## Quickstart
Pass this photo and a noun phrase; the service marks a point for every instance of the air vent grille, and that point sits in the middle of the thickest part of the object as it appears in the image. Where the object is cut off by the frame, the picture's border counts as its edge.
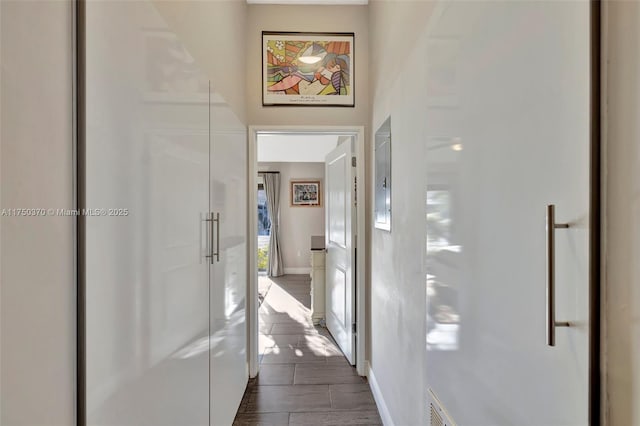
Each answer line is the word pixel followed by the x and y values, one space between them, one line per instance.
pixel 435 418
pixel 438 416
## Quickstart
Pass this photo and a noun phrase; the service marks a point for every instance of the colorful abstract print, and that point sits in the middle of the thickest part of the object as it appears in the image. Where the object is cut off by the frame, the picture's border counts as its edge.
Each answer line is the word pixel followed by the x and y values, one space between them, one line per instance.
pixel 308 67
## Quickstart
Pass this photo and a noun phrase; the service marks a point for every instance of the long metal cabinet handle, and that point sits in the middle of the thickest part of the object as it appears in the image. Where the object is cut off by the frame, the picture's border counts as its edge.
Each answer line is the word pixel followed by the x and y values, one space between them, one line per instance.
pixel 551 275
pixel 210 219
pixel 216 219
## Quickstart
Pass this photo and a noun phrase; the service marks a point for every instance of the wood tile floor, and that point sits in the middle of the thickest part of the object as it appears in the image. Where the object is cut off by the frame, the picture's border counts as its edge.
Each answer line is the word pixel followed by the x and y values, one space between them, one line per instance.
pixel 304 379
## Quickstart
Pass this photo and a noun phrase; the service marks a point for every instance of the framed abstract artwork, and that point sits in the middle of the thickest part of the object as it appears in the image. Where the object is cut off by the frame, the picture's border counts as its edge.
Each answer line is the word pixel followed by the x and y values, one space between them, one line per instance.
pixel 307 69
pixel 306 193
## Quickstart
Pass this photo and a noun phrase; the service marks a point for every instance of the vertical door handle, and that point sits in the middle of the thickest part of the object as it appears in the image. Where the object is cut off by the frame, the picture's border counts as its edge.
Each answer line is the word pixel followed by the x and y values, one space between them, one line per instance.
pixel 551 275
pixel 215 253
pixel 210 220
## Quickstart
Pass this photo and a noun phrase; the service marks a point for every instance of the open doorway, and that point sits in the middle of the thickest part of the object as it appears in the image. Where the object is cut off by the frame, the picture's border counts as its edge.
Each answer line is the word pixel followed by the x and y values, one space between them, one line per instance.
pixel 288 289
pixel 295 163
pixel 264 228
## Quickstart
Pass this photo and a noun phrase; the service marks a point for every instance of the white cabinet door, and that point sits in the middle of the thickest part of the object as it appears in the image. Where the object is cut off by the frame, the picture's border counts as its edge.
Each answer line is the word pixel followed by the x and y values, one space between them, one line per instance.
pixel 507 127
pixel 228 189
pixel 147 157
pixel 340 243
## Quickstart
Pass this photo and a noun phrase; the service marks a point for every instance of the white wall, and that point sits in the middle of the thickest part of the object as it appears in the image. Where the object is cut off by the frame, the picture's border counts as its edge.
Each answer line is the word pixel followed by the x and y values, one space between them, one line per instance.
pixel 307 18
pixel 395 27
pixel 214 32
pixel 37 263
pixel 297 224
pixel 397 330
pixel 622 214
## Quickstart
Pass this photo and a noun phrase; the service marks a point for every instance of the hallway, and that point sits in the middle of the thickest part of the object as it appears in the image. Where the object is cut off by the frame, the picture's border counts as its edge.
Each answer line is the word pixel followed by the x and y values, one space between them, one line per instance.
pixel 304 379
pixel 482 233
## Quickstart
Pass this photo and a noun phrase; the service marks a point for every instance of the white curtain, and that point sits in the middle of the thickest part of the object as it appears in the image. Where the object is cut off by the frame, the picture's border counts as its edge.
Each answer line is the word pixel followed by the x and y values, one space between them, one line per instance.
pixel 272 191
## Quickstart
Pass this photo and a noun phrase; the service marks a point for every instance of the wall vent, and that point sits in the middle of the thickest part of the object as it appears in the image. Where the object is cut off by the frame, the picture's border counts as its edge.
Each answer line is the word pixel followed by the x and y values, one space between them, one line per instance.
pixel 438 416
pixel 435 419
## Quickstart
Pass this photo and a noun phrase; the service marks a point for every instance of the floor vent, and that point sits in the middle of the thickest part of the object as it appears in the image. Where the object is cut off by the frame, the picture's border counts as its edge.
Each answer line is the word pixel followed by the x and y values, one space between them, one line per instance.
pixel 437 414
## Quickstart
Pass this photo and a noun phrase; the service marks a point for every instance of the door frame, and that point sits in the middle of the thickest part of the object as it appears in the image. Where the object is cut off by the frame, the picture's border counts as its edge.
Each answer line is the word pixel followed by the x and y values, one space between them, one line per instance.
pixel 358 133
pixel 597 301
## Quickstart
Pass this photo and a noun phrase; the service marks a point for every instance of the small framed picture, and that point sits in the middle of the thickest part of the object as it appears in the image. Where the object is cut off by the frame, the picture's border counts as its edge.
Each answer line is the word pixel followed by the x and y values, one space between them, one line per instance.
pixel 307 69
pixel 306 193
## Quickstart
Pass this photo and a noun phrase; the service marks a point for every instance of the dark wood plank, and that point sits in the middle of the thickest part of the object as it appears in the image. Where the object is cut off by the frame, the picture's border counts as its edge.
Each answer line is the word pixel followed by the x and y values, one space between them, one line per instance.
pixel 333 418
pixel 352 397
pixel 262 419
pixel 292 398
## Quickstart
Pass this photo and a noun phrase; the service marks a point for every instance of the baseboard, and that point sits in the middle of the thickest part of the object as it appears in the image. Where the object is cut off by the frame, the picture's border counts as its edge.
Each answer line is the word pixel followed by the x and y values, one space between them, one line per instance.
pixel 297 271
pixel 377 395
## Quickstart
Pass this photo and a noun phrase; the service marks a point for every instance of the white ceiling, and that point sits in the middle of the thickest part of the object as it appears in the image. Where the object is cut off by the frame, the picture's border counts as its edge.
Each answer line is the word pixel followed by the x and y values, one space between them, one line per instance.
pixel 289 148
pixel 309 2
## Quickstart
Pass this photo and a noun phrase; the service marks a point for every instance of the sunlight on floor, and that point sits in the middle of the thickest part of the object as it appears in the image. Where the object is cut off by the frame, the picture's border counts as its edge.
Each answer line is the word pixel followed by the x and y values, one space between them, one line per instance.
pixel 284 313
pixel 304 378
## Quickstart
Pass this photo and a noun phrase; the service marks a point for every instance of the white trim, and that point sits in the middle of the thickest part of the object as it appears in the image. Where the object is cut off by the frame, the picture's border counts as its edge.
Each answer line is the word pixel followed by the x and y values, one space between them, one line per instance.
pixel 252 264
pixel 385 415
pixel 361 253
pixel 297 271
pixel 252 273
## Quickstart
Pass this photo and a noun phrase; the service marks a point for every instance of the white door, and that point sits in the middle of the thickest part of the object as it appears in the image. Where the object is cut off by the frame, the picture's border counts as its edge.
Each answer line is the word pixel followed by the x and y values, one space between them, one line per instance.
pixel 507 133
pixel 147 161
pixel 228 287
pixel 340 243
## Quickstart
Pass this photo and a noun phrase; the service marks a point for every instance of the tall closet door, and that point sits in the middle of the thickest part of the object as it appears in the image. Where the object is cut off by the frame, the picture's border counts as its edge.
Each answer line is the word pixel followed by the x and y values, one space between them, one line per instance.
pixel 507 121
pixel 229 369
pixel 147 176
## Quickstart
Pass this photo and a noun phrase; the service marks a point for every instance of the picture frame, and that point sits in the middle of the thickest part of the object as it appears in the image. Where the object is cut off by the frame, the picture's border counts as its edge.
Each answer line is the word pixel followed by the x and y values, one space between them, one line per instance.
pixel 308 69
pixel 305 193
